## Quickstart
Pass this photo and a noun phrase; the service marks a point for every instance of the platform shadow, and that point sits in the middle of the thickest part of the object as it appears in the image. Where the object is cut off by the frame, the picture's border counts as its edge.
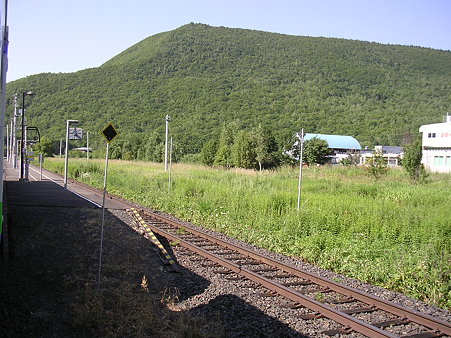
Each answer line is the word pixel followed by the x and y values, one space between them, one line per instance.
pixel 54 265
pixel 44 194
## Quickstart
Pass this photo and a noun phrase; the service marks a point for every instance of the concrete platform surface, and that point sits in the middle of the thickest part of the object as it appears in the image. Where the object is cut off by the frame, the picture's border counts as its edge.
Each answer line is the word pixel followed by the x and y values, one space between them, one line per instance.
pixel 48 190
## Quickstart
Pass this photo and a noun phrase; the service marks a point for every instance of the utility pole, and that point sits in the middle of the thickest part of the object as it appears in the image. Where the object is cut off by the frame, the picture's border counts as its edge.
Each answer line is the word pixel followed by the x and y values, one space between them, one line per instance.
pixel 7 143
pixel 87 146
pixel 170 167
pixel 300 167
pixel 23 148
pixel 168 118
pixel 14 133
pixel 11 142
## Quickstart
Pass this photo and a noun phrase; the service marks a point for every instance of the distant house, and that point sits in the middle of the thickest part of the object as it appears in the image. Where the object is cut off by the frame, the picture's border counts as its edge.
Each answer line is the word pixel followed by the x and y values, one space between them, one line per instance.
pixel 83 149
pixel 340 145
pixel 437 146
pixel 391 154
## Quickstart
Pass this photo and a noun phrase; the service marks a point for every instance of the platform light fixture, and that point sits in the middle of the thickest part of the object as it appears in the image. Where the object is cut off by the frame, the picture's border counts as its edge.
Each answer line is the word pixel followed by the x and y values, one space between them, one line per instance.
pixel 23 148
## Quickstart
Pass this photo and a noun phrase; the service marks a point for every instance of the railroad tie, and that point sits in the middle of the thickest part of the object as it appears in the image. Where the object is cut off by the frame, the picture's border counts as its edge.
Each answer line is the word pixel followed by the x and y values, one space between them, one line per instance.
pixel 153 238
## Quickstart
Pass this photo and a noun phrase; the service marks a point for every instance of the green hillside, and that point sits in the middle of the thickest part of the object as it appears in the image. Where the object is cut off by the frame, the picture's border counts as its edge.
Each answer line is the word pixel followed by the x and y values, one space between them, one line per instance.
pixel 205 76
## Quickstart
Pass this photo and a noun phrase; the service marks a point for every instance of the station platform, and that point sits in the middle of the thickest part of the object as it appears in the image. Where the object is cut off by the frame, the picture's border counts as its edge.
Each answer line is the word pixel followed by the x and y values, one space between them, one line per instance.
pixel 48 191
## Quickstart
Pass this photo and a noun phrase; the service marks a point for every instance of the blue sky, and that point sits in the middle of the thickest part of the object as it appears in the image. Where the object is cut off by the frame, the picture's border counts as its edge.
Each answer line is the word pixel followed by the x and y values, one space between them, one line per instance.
pixel 69 35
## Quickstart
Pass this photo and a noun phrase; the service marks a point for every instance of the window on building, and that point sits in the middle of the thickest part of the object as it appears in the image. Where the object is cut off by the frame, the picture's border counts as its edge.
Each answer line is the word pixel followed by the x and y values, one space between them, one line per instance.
pixel 392 161
pixel 448 161
pixel 431 135
pixel 439 161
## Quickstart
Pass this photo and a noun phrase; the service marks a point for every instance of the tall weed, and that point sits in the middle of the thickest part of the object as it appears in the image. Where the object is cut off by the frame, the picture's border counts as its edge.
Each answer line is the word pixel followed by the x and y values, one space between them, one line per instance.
pixel 389 232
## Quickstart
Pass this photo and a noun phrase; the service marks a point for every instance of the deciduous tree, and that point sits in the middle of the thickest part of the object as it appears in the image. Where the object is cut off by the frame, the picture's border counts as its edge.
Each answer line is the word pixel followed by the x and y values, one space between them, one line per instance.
pixel 261 145
pixel 243 151
pixel 208 152
pixel 316 151
pixel 411 162
pixel 45 147
pixel 226 139
pixel 376 166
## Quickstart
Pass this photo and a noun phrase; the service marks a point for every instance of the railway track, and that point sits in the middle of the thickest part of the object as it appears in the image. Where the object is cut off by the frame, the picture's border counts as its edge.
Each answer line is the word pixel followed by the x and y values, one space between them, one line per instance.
pixel 314 296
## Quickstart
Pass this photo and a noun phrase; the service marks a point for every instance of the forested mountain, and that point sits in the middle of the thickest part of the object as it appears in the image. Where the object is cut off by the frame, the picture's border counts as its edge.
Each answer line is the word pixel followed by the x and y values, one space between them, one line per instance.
pixel 205 76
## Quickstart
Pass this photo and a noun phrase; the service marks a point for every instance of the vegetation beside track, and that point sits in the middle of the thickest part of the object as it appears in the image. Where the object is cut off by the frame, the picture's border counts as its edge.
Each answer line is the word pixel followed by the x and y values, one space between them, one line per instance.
pixel 389 233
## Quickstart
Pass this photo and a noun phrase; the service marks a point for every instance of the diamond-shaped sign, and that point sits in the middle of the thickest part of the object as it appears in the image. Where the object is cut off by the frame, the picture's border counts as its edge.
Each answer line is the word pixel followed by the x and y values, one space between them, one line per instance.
pixel 109 132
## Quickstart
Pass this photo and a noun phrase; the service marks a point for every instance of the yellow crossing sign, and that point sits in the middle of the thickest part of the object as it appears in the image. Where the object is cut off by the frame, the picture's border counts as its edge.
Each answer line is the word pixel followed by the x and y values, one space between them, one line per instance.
pixel 109 132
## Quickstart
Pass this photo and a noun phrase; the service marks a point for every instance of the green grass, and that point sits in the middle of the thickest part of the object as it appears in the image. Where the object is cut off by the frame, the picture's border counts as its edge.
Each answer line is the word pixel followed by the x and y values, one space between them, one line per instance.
pixel 388 233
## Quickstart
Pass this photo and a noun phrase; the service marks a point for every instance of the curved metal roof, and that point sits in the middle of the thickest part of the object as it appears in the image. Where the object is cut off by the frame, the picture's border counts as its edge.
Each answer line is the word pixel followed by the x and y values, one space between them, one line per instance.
pixel 336 141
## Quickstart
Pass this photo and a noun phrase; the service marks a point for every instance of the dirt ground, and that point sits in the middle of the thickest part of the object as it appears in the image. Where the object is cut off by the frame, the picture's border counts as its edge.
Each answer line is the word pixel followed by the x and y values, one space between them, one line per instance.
pixel 49 286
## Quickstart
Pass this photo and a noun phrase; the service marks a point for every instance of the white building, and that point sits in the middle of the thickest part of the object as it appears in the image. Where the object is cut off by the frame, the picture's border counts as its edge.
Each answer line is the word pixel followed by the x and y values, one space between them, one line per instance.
pixel 437 146
pixel 391 154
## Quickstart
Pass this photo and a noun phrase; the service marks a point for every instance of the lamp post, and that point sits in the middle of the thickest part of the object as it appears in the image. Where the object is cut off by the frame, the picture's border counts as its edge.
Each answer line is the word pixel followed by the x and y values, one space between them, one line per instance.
pixel 68 122
pixel 23 144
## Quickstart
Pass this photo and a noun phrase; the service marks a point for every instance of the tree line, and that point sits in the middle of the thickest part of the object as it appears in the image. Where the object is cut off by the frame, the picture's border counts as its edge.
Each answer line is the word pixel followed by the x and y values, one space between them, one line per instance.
pixel 233 148
pixel 205 76
pixel 254 149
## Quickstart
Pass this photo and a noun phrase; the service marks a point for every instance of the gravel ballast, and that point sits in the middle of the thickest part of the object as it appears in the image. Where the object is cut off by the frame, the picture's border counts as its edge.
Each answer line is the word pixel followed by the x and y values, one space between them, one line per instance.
pixel 274 306
pixel 53 270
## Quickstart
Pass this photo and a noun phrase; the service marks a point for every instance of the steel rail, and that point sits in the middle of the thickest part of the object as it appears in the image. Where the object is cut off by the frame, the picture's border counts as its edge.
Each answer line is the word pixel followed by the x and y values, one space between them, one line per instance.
pixel 410 314
pixel 310 303
pixel 404 313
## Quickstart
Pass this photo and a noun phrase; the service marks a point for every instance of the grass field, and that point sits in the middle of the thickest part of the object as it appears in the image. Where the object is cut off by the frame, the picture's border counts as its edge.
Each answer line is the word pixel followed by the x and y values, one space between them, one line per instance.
pixel 388 233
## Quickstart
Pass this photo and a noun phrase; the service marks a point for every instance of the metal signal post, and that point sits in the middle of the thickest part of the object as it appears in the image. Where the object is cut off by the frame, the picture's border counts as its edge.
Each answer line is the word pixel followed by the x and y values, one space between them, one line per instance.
pixel 109 132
